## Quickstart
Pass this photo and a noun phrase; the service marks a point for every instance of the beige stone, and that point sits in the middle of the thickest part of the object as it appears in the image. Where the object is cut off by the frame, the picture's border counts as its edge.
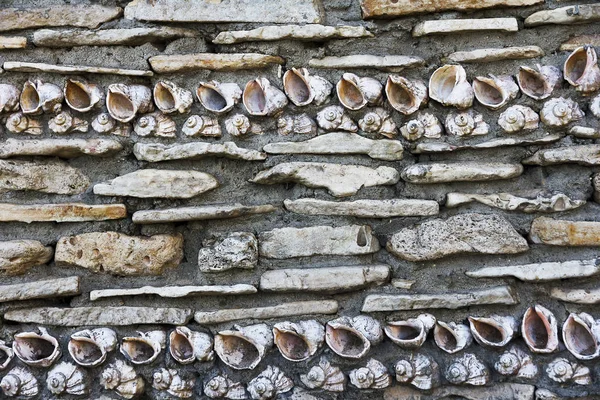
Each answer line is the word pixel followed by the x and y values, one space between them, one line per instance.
pixel 199 213
pixel 155 152
pixel 498 391
pixel 67 212
pixel 403 283
pixel 18 256
pixel 311 32
pixel 119 254
pixel 13 42
pixel 64 148
pixel 164 64
pixel 175 291
pixel 87 16
pixel 588 154
pixel 578 41
pixel 578 296
pixel 506 201
pixel 584 132
pixel 390 63
pixel 565 233
pixel 575 14
pixel 442 147
pixel 71 69
pixel 460 172
pixel 390 9
pixel 541 272
pixel 446 26
pixel 364 208
pixel 47 289
pixel 490 55
pixel 50 176
pixel 108 37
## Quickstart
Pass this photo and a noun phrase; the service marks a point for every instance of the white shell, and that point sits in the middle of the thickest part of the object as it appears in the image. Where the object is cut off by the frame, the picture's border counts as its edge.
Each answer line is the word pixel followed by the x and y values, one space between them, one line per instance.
pixel 448 85
pixel 539 84
pixel 404 95
pixel 324 376
pixel 218 97
pixel 64 122
pixel 496 91
pixel 303 89
pixel 355 92
pixel 298 341
pixel 145 348
pixel 518 118
pixel 90 347
pixel 559 111
pixel 104 123
pixel 82 96
pixel 36 349
pixel 221 387
pixel 155 124
pixel 9 98
pixel 21 123
pixel 300 124
pixel 187 346
pixel 67 378
pixel 334 118
pixel 424 125
pixel 38 97
pixel 452 337
pixel 19 382
pixel 581 335
pixel 410 334
pixel 582 71
pixel 171 98
pixel 261 98
pixel 374 376
pixel 540 330
pixel 6 356
pixel 269 384
pixel 170 381
pixel 353 337
pixel 516 362
pixel 244 347
pixel 468 370
pixel 495 331
pixel 124 102
pixel 466 123
pixel 419 371
pixel 563 371
pixel 595 106
pixel 201 125
pixel 122 378
pixel 378 121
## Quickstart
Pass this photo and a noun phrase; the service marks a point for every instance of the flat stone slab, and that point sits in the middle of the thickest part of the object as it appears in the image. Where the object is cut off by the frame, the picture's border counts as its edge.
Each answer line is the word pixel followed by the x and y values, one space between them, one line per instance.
pixel 310 32
pixel 18 256
pixel 506 201
pixel 364 208
pixel 447 26
pixel 98 316
pixel 404 302
pixel 565 233
pixel 460 172
pixel 108 37
pixel 341 143
pixel 47 289
pixel 67 212
pixel 403 283
pixel 576 14
pixel 578 41
pixel 385 63
pixel 340 180
pixel 541 272
pixel 490 55
pixel 199 213
pixel 317 240
pixel 311 308
pixel 13 42
pixel 391 9
pixel 155 152
pixel 443 147
pixel 463 233
pixel 585 132
pixel 498 391
pixel 588 154
pixel 85 16
pixel 64 148
pixel 578 296
pixel 48 176
pixel 165 64
pixel 175 291
pixel 71 69
pixel 330 279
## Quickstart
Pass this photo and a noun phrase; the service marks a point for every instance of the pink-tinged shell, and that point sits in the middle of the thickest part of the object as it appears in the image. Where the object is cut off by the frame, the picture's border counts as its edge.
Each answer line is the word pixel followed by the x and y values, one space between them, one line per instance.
pixel 298 341
pixel 468 370
pixel 39 97
pixel 373 376
pixel 404 95
pixel 124 102
pixel 495 331
pixel 355 92
pixel 122 378
pixel 221 387
pixel 244 347
pixel 562 370
pixel 518 118
pixel 303 89
pixel 19 382
pixel 452 337
pixel 171 98
pixel 82 96
pixel 187 346
pixel 269 383
pixel 261 98
pixel 516 362
pixel 352 337
pixel 21 123
pixel 539 84
pixel 581 70
pixel 9 98
pixel 425 125
pixel 448 85
pixel 378 121
pixel 540 330
pixel 581 335
pixel 412 333
pixel 334 118
pixel 559 112
pixel 496 91
pixel 145 348
pixel 89 348
pixel 36 349
pixel 218 97
pixel 419 371
pixel 466 123
pixel 324 376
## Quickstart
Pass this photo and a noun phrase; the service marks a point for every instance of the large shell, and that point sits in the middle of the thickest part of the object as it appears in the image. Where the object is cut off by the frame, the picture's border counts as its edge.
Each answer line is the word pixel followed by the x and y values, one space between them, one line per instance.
pixel 378 121
pixel 559 112
pixel 36 349
pixel 221 387
pixel 374 376
pixel 187 346
pixel 19 382
pixel 595 106
pixel 6 355
pixel 9 98
pixel 122 378
pixel 303 88
pixel 466 123
pixel 404 95
pixel 90 347
pixel 355 92
pixel 468 370
pixel 170 381
pixel 269 383
pixel 218 97
pixel 171 98
pixel 495 331
pixel 244 347
pixel 452 337
pixel 581 335
pixel 581 70
pixel 424 125
pixel 261 98
pixel 540 330
pixel 301 124
pixel 124 102
pixel 353 337
pixel 496 91
pixel 410 334
pixel 104 123
pixel 67 378
pixel 65 122
pixel 145 348
pixel 448 85
pixel 334 118
pixel 21 123
pixel 155 124
pixel 419 370
pixel 516 362
pixel 539 84
pixel 38 97
pixel 324 376
pixel 563 371
pixel 82 96
pixel 201 125
pixel 298 341
pixel 518 118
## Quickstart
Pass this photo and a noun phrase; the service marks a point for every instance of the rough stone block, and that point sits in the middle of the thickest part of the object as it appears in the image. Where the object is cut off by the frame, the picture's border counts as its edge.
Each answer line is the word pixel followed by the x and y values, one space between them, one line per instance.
pixel 87 16
pixel 393 8
pixel 541 272
pixel 47 289
pixel 364 208
pixel 70 212
pixel 18 256
pixel 46 176
pixel 237 250
pixel 565 233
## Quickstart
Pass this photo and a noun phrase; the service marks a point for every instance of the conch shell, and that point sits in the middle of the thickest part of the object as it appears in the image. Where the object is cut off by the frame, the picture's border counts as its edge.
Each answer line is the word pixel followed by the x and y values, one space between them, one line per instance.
pixel 355 92
pixel 595 106
pixel 581 70
pixel 378 121
pixel 221 387
pixel 301 124
pixel 419 371
pixel 104 123
pixel 353 337
pixel 170 381
pixel 424 125
pixel 269 383
pixel 244 347
pixel 122 378
pixel 201 125
pixel 89 348
pixel 21 123
pixel 187 346
pixel 124 102
pixel 240 125
pixel 9 98
pixel 19 382
pixel 540 330
pixel 518 118
pixel 452 337
pixel 298 341
pixel 495 331
pixel 404 95
pixel 36 349
pixel 303 89
pixel 324 376
pixel 334 118
pixel 563 371
pixel 539 84
pixel 558 112
pixel 145 348
pixel 410 334
pixel 516 362
pixel 261 98
pixel 82 96
pixel 374 376
pixel 448 85
pixel 581 335
pixel 466 123
pixel 171 98
pixel 155 124
pixel 6 355
pixel 38 97
pixel 64 122
pixel 67 378
pixel 218 97
pixel 468 370
pixel 496 91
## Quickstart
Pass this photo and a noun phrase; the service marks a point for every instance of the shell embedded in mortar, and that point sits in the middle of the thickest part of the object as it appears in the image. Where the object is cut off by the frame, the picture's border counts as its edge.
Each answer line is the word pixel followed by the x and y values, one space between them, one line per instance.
pixel 353 337
pixel 171 98
pixel 65 122
pixel 201 125
pixel 373 376
pixel 89 348
pixel 303 89
pixel 581 335
pixel 468 370
pixel 518 118
pixel 67 378
pixel 104 123
pixel 452 337
pixel 187 346
pixel 39 97
pixel 466 123
pixel 218 97
pixel 582 71
pixel 170 380
pixel 21 123
pixel 418 370
pixel 540 330
pixel 9 98
pixel 334 118
pixel 496 91
pixel 448 85
pixel 269 383
pixel 145 348
pixel 406 96
pixel 298 341
pixel 301 124
pixel 494 331
pixel 124 102
pixel 36 349
pixel 516 362
pixel 378 121
pixel 122 378
pixel 244 347
pixel 155 124
pixel 6 355
pixel 410 334
pixel 261 98
pixel 595 106
pixel 356 92
pixel 324 376
pixel 539 83
pixel 424 125
pixel 82 96
pixel 559 112
pixel 19 382
pixel 562 370
pixel 221 387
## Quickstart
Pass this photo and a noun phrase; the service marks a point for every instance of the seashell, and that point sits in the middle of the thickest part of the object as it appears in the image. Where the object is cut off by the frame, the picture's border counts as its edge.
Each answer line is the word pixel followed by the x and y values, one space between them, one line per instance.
pixel 452 337
pixel 378 121
pixel 539 84
pixel 6 355
pixel 155 124
pixel 64 122
pixel 540 330
pixel 516 362
pixel 355 92
pixel 302 88
pixel 39 97
pixel 301 124
pixel 448 85
pixel 518 118
pixel 581 70
pixel 145 348
pixel 122 378
pixel 104 123
pixel 468 370
pixel 221 387
pixel 495 331
pixel 170 381
pixel 563 371
pixel 595 106
pixel 90 347
pixel 466 123
pixel 218 97
pixel 36 349
pixel 82 96
pixel 9 98
pixel 298 341
pixel 187 346
pixel 410 334
pixel 496 91
pixel 67 378
pixel 19 382
pixel 21 123
pixel 324 376
pixel 244 347
pixel 170 98
pixel 405 95
pixel 334 118
pixel 425 125
pixel 269 383
pixel 261 98
pixel 581 335
pixel 419 371
pixel 353 337
pixel 201 125
pixel 560 111
pixel 124 102
pixel 374 376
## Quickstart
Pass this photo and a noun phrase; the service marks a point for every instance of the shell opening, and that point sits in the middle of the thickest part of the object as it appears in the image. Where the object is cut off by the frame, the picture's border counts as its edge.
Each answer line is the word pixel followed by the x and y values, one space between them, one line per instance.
pixel 30 98
pixel 536 330
pixel 292 346
pixel 486 93
pixel 84 352
pixel 238 352
pixel 400 96
pixel 296 88
pixel 163 97
pixel 212 100
pixel 446 85
pixel 362 238
pixel 180 347
pixel 532 83
pixel 404 332
pixel 346 342
pixel 579 338
pixel 488 332
pixel 138 351
pixel 254 97
pixel 120 106
pixel 76 97
pixel 576 65
pixel 34 349
pixel 350 95
pixel 445 339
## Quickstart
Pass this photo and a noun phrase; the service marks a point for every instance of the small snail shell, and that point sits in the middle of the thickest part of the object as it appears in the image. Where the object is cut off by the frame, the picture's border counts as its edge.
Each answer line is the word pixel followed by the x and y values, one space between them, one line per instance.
pixel 269 383
pixel 67 378
pixel 353 337
pixel 170 381
pixel 324 376
pixel 516 362
pixel 404 95
pixel 21 123
pixel 89 348
pixel 9 98
pixel 355 92
pixel 82 96
pixel 298 341
pixel 303 89
pixel 38 97
pixel 124 102
pixel 64 122
pixel 221 387
pixel 466 123
pixel 581 70
pixel 448 85
pixel 123 379
pixel 104 123
pixel 424 125
pixel 563 371
pixel 559 112
pixel 378 121
pixel 201 125
pixel 518 118
pixel 334 118
pixel 187 346
pixel 19 382
pixel 301 124
pixel 419 371
pixel 261 98
pixel 218 97
pixel 170 98
pixel 155 124
pixel 468 370
pixel 374 376
pixel 410 334
pixel 539 84
pixel 496 91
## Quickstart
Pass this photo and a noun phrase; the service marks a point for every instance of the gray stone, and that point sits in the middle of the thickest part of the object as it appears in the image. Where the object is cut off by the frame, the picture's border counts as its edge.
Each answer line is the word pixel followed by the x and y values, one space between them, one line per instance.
pixel 13 42
pixel 68 212
pixel 596 185
pixel 403 283
pixel 588 154
pixel 490 55
pixel 460 172
pixel 565 233
pixel 237 250
pixel 498 391
pixel 155 152
pixel 71 69
pixel 575 14
pixel 46 176
pixel 446 26
pixel 18 256
pixel 165 64
pixel 364 208
pixel 48 289
pixel 108 37
pixel 578 41
pixel 199 213
pixel 175 291
pixel 578 296
pixel 541 272
pixel 442 147
pixel 64 148
pixel 584 132
pixel 463 233
pixel 506 201
pixel 390 63
pixel 311 32
pixel 87 16
pixel 390 9
pixel 317 240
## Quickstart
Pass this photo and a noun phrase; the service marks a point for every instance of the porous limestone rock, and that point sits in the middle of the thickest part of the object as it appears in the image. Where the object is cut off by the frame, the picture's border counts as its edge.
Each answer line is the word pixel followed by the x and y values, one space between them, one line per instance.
pixel 164 64
pixel 565 233
pixel 389 63
pixel 87 16
pixel 443 147
pixel 364 208
pixel 46 176
pixel 108 37
pixel 490 55
pixel 446 26
pixel 575 14
pixel 175 291
pixel 390 9
pixel 506 201
pixel 64 148
pixel 155 152
pixel 541 272
pixel 578 296
pixel 497 391
pixel 588 154
pixel 310 32
pixel 13 42
pixel 47 289
pixel 199 213
pixel 69 212
pixel 460 172
pixel 18 256
pixel 237 250
pixel 71 69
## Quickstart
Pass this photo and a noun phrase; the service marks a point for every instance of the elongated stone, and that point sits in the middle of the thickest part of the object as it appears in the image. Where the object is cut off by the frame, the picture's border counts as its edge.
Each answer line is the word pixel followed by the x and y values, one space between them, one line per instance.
pixel 48 176
pixel 311 32
pixel 98 316
pixel 390 9
pixel 155 152
pixel 71 69
pixel 317 240
pixel 310 308
pixel 47 289
pixel 565 233
pixel 588 154
pixel 64 148
pixel 584 132
pixel 237 250
pixel 119 254
pixel 341 143
pixel 541 272
pixel 67 212
pixel 386 63
pixel 490 55
pixel 463 233
pixel 578 41
pixel 364 208
pixel 340 180
pixel 576 14
pixel 403 283
pixel 175 291
pixel 404 302
pixel 443 147
pixel 498 391
pixel 149 183
pixel 505 201
pixel 13 42
pixel 331 279
pixel 108 37
pixel 460 172
pixel 445 26
pixel 87 16
pixel 199 213
pixel 18 256
pixel 165 64
pixel 579 296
